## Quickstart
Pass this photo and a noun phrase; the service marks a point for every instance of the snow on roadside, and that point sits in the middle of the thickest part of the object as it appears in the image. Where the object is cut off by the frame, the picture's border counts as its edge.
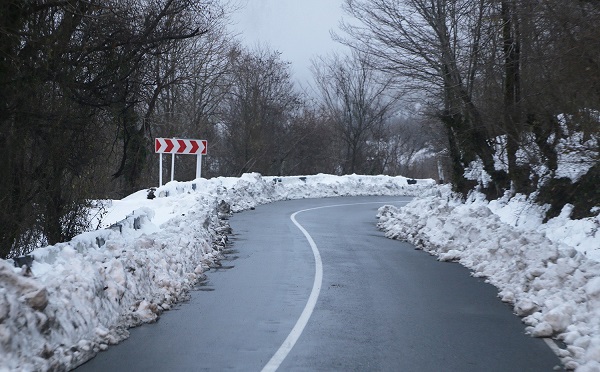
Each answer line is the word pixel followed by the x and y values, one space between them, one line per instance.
pixel 544 270
pixel 79 297
pixel 581 235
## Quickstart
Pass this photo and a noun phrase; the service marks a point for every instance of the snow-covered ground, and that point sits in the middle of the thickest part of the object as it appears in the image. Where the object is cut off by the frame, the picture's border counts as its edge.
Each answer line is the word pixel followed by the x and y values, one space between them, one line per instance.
pixel 549 271
pixel 81 296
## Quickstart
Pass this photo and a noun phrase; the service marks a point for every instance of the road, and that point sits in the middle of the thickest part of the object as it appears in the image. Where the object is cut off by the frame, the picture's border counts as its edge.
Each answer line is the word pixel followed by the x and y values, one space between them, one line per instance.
pixel 381 305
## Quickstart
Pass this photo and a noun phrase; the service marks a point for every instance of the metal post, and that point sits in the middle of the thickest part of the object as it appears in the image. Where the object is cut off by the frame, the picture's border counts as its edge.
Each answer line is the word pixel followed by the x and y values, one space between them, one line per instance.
pixel 160 171
pixel 199 166
pixel 172 167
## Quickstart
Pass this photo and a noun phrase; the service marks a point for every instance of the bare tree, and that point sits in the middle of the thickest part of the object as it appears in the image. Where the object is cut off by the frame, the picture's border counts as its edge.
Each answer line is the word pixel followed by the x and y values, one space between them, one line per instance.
pixel 311 144
pixel 188 104
pixel 435 46
pixel 257 113
pixel 498 74
pixel 358 102
pixel 72 75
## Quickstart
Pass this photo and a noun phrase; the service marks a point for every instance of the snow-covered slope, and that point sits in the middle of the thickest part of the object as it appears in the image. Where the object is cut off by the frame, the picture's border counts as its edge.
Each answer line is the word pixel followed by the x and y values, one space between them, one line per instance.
pixel 550 272
pixel 81 296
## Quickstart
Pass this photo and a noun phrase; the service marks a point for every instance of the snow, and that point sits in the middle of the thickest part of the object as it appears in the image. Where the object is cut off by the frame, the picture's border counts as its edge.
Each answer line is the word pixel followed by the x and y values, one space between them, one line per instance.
pixel 549 272
pixel 82 296
pixel 524 215
pixel 578 150
pixel 79 297
pixel 576 154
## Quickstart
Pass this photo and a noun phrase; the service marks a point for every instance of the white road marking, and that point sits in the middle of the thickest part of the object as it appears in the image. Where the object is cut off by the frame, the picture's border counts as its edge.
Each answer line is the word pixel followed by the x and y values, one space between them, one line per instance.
pixel 291 339
pixel 294 335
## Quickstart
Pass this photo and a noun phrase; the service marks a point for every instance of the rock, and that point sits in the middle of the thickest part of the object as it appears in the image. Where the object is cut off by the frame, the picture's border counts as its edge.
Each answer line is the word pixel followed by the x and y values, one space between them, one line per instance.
pixel 224 207
pixel 151 194
pixel 4 308
pixel 37 300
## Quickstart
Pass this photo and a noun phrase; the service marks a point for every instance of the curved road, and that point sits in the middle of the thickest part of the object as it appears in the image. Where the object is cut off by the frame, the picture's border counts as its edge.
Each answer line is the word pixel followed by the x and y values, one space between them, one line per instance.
pixel 381 305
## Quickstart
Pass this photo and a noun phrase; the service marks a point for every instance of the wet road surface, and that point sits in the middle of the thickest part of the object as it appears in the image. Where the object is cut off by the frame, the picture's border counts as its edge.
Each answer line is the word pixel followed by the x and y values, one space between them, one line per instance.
pixel 381 306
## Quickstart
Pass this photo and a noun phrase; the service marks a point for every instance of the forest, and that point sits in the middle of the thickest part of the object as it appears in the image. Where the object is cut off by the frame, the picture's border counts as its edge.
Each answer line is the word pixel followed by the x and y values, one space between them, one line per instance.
pixel 432 89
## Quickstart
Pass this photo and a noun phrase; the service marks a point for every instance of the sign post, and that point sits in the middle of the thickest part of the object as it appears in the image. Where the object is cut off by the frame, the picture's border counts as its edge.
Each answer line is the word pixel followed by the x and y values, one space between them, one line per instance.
pixel 199 166
pixel 160 171
pixel 172 166
pixel 175 146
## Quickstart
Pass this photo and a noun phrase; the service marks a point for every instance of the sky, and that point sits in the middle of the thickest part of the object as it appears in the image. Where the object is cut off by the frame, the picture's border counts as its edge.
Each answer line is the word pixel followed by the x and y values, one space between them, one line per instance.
pixel 299 29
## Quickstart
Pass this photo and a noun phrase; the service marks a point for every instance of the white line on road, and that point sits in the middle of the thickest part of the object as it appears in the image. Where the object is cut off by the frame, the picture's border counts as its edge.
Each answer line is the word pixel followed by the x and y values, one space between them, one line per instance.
pixel 291 339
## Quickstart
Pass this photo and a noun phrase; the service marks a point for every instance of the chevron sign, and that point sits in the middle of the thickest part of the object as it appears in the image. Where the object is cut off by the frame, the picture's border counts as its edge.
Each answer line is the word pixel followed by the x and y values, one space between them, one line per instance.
pixel 175 146
pixel 180 146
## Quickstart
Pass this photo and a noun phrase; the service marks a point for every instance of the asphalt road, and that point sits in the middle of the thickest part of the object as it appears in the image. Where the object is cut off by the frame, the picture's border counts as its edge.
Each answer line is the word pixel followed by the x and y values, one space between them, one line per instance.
pixel 381 305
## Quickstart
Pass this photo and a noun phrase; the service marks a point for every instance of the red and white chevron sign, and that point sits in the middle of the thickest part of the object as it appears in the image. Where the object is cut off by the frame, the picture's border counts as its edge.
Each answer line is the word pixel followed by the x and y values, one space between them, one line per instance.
pixel 179 146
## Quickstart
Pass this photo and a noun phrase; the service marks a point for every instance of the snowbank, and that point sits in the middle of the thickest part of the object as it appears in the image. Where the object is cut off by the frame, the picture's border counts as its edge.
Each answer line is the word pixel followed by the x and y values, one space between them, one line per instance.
pixel 544 270
pixel 79 297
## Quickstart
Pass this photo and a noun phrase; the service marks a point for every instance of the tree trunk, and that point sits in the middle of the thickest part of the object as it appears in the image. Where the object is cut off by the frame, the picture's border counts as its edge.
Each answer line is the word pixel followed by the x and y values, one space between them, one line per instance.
pixel 512 94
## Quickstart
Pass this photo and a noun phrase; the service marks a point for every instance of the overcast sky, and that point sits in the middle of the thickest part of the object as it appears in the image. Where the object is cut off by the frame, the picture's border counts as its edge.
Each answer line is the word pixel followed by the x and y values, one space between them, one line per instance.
pixel 299 29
